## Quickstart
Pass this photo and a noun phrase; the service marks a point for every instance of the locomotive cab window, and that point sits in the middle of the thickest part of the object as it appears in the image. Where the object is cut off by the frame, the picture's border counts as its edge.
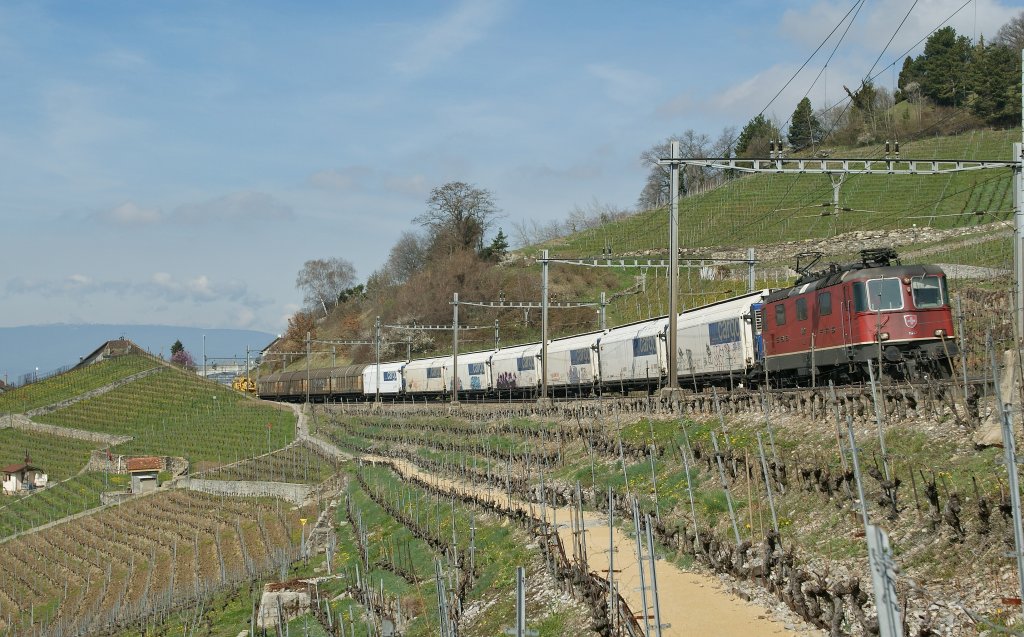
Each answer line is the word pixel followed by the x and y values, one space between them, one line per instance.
pixel 928 291
pixel 824 303
pixel 885 294
pixel 780 314
pixel 801 309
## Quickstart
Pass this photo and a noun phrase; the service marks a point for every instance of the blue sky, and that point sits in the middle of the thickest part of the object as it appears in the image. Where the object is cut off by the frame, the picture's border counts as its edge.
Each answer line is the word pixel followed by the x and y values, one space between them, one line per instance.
pixel 177 162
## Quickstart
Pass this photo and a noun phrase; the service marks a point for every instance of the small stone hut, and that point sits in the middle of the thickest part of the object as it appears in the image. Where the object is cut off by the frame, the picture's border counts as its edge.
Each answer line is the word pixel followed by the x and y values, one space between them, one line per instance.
pixel 145 473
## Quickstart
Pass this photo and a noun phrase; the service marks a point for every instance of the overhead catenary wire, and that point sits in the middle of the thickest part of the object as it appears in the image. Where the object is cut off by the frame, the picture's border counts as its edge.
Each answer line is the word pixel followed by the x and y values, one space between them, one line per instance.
pixel 856 4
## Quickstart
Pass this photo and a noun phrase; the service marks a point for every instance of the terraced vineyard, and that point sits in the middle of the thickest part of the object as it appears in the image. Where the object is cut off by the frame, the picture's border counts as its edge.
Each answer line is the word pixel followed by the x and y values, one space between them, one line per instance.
pixel 139 558
pixel 761 209
pixel 943 529
pixel 178 414
pixel 73 383
pixel 59 457
pixel 62 459
pixel 296 463
pixel 74 495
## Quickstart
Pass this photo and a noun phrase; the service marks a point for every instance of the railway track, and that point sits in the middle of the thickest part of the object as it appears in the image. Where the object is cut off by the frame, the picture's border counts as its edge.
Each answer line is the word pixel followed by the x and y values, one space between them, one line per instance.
pixel 900 401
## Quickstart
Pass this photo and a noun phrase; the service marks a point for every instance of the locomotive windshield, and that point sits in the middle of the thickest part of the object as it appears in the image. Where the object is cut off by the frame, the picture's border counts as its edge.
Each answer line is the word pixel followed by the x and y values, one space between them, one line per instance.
pixel 879 295
pixel 929 291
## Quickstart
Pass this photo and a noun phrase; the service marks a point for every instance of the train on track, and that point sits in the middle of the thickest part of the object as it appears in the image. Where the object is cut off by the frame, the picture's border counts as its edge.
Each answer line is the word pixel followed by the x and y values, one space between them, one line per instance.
pixel 830 325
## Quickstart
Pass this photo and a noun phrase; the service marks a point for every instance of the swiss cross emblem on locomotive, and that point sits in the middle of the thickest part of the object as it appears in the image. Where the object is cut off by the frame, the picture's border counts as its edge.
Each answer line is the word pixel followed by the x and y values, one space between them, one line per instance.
pixel 910 320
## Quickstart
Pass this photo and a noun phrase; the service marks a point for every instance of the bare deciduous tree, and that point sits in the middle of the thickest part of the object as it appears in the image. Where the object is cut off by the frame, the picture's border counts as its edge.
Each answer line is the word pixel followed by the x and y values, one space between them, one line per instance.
pixel 323 280
pixel 656 190
pixel 586 217
pixel 458 215
pixel 1011 34
pixel 407 257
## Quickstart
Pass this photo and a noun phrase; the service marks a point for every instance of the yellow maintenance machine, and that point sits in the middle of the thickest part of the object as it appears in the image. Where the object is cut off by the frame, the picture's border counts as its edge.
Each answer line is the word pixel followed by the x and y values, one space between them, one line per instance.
pixel 244 384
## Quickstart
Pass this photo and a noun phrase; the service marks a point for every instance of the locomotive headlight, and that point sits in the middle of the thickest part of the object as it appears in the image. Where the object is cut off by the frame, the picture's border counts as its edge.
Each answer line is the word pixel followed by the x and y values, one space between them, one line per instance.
pixel 884 336
pixel 940 333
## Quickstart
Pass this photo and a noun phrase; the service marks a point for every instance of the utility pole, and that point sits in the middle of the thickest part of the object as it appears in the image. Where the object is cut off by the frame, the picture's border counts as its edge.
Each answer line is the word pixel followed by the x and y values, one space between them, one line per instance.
pixel 673 274
pixel 1018 240
pixel 603 312
pixel 1018 219
pixel 376 340
pixel 750 270
pixel 204 355
pixel 1010 459
pixel 455 349
pixel 544 326
pixel 309 343
pixel 497 336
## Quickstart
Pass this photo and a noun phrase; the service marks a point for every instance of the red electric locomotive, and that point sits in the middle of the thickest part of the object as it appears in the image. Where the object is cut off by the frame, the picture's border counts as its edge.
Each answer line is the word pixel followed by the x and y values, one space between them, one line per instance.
pixel 837 320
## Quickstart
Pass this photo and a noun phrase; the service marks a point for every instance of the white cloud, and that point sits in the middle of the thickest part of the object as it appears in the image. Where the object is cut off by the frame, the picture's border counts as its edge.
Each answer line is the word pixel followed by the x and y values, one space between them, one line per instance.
pixel 234 207
pixel 748 97
pixel 122 59
pixel 449 35
pixel 159 286
pixel 414 185
pixel 80 280
pixel 621 84
pixel 130 213
pixel 350 178
pixel 238 206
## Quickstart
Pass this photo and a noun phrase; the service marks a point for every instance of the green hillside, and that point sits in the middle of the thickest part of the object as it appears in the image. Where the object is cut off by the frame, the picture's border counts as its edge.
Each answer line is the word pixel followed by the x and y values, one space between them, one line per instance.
pixel 73 383
pixel 179 414
pixel 759 210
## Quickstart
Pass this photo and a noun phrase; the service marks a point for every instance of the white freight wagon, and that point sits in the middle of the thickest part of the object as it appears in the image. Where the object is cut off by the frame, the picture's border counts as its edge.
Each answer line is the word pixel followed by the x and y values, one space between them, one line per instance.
pixel 426 376
pixel 634 356
pixel 572 364
pixel 475 372
pixel 515 371
pixel 718 341
pixel 390 377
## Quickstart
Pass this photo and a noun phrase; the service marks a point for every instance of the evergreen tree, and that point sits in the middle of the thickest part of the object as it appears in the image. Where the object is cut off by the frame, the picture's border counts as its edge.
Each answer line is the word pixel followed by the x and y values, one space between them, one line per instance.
pixel 177 347
pixel 804 128
pixel 498 247
pixel 755 138
pixel 944 67
pixel 995 84
pixel 909 80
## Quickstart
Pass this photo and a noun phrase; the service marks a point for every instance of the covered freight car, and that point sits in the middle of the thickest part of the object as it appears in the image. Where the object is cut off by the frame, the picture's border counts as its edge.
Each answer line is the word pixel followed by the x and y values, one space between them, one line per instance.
pixel 633 357
pixel 515 371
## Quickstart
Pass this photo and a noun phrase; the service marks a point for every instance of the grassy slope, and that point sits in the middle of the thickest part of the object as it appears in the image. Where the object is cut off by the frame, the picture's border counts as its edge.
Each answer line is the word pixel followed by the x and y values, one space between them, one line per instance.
pixel 765 209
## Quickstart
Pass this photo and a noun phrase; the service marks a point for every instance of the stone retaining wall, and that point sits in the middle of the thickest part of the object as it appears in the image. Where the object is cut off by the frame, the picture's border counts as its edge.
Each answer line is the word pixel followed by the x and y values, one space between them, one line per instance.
pixel 18 421
pixel 118 463
pixel 294 493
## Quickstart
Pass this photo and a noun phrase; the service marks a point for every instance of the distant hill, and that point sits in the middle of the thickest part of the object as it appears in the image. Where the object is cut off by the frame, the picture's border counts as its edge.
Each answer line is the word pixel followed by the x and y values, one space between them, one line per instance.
pixel 48 347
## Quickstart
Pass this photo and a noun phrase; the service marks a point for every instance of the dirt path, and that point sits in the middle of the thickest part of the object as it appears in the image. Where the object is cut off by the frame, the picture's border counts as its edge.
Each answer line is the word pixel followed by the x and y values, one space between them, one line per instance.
pixel 692 603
